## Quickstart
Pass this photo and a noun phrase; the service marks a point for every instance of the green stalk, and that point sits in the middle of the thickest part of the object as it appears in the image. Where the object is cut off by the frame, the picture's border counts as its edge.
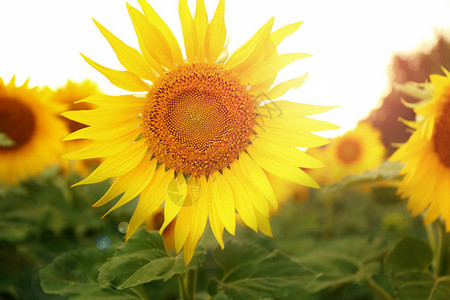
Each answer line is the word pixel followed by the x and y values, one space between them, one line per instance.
pixel 140 292
pixel 191 283
pixel 182 289
pixel 379 290
pixel 443 257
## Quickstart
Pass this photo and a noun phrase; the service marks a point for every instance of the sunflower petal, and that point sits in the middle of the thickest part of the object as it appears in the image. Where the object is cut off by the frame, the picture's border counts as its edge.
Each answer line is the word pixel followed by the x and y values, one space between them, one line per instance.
pixel 135 181
pixel 281 88
pixel 216 34
pixel 224 203
pixel 201 23
pixel 118 164
pixel 104 133
pixel 175 197
pixel 281 170
pixel 123 79
pixel 151 38
pixel 150 199
pixel 279 35
pixel 156 21
pixel 115 102
pixel 130 58
pixel 189 30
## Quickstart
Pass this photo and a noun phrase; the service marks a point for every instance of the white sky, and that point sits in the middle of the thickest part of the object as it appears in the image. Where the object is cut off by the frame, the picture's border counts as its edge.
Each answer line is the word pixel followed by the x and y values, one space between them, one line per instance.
pixel 351 40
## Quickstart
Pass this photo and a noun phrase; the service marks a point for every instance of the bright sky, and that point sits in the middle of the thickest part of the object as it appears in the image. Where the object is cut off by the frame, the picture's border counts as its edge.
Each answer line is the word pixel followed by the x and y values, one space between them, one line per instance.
pixel 351 42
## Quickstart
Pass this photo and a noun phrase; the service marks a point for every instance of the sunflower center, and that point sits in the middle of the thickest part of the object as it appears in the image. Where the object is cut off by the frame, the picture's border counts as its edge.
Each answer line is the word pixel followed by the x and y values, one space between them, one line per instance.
pixel 17 122
pixel 441 136
pixel 198 118
pixel 349 151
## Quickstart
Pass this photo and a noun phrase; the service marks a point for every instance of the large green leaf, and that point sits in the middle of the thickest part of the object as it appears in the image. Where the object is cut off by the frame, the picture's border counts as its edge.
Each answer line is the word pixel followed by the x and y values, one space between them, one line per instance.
pixel 251 272
pixel 143 259
pixel 408 267
pixel 386 171
pixel 72 272
pixel 345 261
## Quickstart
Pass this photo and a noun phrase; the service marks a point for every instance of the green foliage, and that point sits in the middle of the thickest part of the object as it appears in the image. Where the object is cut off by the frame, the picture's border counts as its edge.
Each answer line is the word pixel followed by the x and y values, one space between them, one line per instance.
pixel 341 244
pixel 408 267
pixel 144 259
pixel 251 272
pixel 344 261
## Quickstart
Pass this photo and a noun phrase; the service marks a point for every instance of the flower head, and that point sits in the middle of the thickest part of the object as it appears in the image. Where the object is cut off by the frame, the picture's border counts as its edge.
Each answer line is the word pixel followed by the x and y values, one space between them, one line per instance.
pixel 30 132
pixel 67 97
pixel 356 151
pixel 198 142
pixel 426 155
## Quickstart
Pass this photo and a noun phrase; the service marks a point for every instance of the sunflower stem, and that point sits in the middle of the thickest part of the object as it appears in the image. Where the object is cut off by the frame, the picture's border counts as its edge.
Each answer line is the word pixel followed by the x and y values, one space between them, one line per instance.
pixel 379 290
pixel 191 283
pixel 442 255
pixel 140 292
pixel 182 289
pixel 328 199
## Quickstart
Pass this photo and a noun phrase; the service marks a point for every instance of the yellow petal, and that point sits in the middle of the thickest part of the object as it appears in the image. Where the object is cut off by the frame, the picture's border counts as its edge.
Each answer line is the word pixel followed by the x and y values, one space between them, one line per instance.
pixel 279 90
pixel 224 202
pixel 288 136
pixel 268 71
pixel 281 170
pixel 116 102
pixel 130 58
pixel 104 148
pixel 246 56
pixel 201 23
pixel 288 155
pixel 156 21
pixel 216 34
pixel 241 197
pixel 104 133
pixel 294 109
pixel 214 220
pixel 135 181
pixel 198 222
pixel 278 36
pixel 176 191
pixel 257 177
pixel 151 38
pixel 299 123
pixel 264 224
pixel 118 164
pixel 150 199
pixel 123 79
pixel 102 116
pixel 189 30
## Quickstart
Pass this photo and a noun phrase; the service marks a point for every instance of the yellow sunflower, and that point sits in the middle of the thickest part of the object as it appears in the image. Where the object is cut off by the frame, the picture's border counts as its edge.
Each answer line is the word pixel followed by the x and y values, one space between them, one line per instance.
pixel 199 140
pixel 30 131
pixel 67 96
pixel 427 156
pixel 354 152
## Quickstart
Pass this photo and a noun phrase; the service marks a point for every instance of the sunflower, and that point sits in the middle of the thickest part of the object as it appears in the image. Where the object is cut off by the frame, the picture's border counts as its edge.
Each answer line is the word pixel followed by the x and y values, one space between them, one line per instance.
pixel 200 138
pixel 354 152
pixel 67 96
pixel 426 155
pixel 30 131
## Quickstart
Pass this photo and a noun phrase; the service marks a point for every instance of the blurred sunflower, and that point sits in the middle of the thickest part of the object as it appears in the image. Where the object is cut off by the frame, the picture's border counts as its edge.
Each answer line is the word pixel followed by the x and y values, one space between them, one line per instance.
pixel 68 96
pixel 354 152
pixel 200 138
pixel 427 156
pixel 30 132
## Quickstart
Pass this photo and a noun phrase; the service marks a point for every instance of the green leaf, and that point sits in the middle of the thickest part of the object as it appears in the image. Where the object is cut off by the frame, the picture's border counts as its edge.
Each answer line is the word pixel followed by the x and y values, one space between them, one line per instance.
pixel 144 259
pixel 98 293
pixel 386 171
pixel 344 261
pixel 408 268
pixel 409 254
pixel 72 272
pixel 251 272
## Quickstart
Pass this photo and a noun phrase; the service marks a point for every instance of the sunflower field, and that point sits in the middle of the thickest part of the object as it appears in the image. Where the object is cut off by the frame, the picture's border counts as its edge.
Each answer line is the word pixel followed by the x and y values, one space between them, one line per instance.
pixel 199 180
